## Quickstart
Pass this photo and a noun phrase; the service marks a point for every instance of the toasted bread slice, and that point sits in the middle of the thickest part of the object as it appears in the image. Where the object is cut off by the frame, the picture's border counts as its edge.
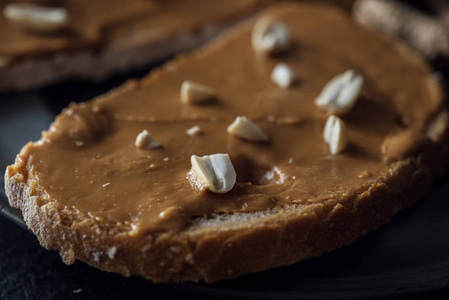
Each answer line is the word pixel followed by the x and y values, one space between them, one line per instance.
pixel 86 190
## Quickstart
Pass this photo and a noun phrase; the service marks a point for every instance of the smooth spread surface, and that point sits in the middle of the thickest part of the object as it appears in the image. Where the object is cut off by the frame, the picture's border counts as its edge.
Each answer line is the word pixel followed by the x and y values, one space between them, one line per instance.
pixel 88 162
pixel 92 23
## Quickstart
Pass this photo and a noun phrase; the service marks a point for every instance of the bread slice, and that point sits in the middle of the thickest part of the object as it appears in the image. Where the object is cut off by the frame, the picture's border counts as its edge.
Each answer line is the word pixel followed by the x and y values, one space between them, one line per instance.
pixel 87 191
pixel 424 29
pixel 113 38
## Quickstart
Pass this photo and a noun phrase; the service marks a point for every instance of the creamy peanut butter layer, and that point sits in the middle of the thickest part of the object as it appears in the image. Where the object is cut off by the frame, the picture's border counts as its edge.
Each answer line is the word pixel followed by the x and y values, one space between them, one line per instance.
pixel 88 160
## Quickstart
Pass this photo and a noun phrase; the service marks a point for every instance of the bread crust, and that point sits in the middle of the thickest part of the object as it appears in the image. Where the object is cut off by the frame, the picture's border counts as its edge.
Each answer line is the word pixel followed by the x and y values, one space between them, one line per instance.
pixel 228 246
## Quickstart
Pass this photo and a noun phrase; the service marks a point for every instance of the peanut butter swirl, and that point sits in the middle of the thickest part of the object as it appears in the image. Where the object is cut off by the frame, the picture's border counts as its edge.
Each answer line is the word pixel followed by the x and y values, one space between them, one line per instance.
pixel 87 160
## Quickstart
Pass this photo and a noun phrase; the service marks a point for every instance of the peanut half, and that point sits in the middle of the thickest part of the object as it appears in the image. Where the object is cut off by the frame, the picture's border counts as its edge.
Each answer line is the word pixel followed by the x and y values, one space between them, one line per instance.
pixel 214 172
pixel 245 129
pixel 195 93
pixel 334 134
pixel 270 36
pixel 36 18
pixel 283 76
pixel 193 131
pixel 145 141
pixel 340 94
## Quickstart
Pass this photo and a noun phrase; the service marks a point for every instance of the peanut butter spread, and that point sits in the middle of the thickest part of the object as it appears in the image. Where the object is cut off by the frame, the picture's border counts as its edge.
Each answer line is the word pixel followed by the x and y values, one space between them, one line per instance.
pixel 93 23
pixel 87 161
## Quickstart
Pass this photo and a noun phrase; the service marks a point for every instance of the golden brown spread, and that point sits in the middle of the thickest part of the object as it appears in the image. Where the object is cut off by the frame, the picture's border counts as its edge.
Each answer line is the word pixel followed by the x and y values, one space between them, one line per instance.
pixel 88 162
pixel 95 22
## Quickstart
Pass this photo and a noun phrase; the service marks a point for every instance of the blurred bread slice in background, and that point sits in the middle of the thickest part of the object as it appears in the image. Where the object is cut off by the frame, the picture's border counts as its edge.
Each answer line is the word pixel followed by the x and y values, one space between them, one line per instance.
pixel 48 42
pixel 423 25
